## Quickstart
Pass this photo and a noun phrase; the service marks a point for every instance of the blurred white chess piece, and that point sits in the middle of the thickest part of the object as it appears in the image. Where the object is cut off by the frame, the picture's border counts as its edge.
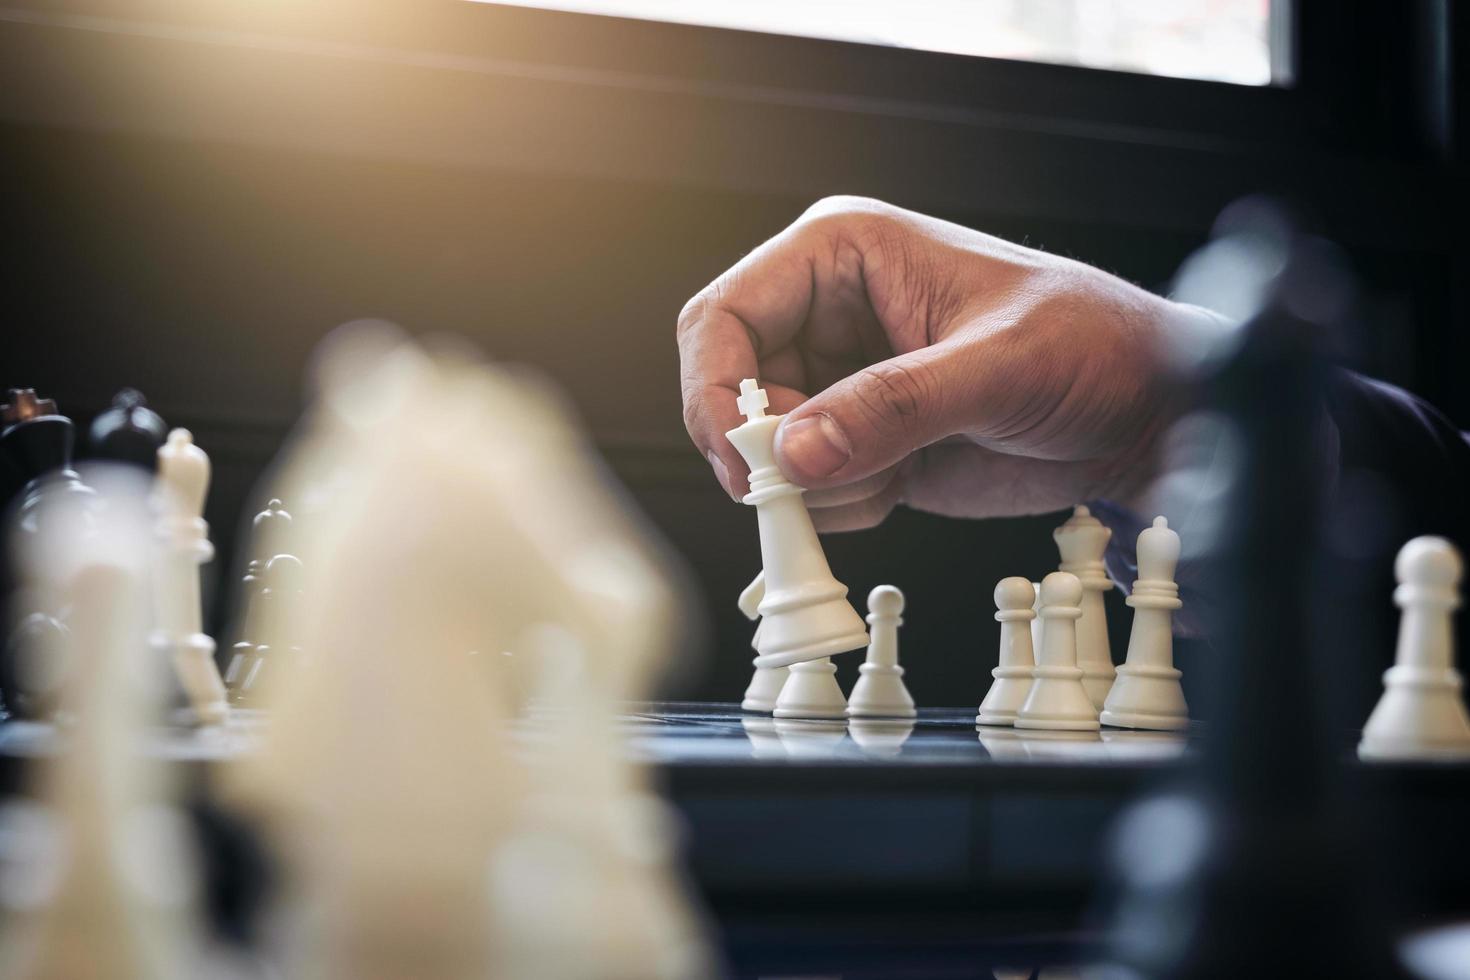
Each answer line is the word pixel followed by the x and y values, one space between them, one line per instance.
pixel 182 547
pixel 108 886
pixel 1147 693
pixel 766 682
pixel 1082 540
pixel 1057 699
pixel 554 862
pixel 1015 599
pixel 880 691
pixel 1421 714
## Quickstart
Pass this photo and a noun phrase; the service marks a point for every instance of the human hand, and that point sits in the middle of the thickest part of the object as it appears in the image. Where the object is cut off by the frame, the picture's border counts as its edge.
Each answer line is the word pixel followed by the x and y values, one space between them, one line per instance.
pixel 921 362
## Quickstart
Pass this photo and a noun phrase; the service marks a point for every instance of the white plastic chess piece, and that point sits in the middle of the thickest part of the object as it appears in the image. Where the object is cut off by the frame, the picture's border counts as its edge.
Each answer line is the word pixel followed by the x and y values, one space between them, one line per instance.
pixel 1081 542
pixel 1421 714
pixel 183 542
pixel 1014 601
pixel 880 691
pixel 1147 693
pixel 805 613
pixel 766 682
pixel 1058 701
pixel 811 691
pixel 1037 622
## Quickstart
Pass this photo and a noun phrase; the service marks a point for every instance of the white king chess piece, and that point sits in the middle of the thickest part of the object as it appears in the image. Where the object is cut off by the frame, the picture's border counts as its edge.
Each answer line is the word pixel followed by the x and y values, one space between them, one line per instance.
pixel 183 545
pixel 1147 693
pixel 805 614
pixel 1421 714
pixel 1081 542
pixel 1058 701
pixel 1014 601
pixel 766 682
pixel 880 691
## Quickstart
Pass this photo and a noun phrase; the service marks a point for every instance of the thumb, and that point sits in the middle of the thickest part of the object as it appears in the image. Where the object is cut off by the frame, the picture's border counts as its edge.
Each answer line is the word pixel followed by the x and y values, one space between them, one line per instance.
pixel 874 418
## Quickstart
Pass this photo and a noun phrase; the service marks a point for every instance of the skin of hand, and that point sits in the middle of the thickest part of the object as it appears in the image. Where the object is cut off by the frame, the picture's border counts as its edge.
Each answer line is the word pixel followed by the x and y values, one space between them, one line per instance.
pixel 923 363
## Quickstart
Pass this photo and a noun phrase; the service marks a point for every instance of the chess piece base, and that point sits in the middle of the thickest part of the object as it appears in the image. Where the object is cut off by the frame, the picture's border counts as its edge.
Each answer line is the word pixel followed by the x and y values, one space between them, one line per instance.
pixel 1139 719
pixel 765 688
pixel 880 693
pixel 811 691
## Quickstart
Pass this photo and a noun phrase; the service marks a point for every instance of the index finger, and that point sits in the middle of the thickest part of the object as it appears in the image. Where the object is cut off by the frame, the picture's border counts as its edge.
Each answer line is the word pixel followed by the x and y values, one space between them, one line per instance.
pixel 753 309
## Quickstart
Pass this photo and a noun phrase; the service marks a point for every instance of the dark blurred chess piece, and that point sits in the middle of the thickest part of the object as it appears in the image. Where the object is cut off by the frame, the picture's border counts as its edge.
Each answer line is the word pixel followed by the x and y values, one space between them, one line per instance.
pixel 128 432
pixel 39 441
pixel 36 442
pixel 1256 863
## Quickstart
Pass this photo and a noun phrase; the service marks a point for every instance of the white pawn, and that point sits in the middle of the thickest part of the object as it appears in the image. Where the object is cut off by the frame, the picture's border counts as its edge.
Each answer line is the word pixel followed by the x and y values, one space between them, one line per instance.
pixel 1036 623
pixel 766 682
pixel 880 691
pixel 183 546
pixel 811 691
pixel 1014 600
pixel 1421 714
pixel 1147 693
pixel 1058 701
pixel 1081 542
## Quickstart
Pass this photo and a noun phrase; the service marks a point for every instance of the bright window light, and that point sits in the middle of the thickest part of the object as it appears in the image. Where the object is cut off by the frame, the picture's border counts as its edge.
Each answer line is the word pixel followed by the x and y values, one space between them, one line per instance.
pixel 1215 40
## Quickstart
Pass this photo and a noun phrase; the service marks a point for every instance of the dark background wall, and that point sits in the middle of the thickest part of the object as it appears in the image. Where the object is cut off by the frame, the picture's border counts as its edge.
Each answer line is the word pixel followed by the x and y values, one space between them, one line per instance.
pixel 193 195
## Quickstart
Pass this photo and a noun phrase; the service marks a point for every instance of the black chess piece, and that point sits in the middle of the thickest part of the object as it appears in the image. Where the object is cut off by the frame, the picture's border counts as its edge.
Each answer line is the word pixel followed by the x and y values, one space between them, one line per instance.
pixel 128 432
pixel 36 441
pixel 1255 864
pixel 39 441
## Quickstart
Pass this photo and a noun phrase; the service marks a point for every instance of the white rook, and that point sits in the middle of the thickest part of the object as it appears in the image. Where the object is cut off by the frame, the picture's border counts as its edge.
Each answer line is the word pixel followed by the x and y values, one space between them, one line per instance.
pixel 805 615
pixel 183 545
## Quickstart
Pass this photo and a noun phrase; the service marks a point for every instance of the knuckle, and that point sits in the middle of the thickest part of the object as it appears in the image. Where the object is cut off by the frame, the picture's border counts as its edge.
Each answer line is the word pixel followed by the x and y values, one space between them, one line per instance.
pixel 693 312
pixel 895 397
pixel 846 210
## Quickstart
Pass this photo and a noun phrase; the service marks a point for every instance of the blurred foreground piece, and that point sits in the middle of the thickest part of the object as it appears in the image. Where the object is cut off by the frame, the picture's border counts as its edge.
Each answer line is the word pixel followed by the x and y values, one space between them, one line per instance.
pixel 128 432
pixel 1014 599
pixel 183 545
pixel 467 516
pixel 805 615
pixel 880 691
pixel 1081 542
pixel 766 682
pixel 1421 714
pixel 118 899
pixel 1241 869
pixel 1147 693
pixel 36 445
pixel 1058 700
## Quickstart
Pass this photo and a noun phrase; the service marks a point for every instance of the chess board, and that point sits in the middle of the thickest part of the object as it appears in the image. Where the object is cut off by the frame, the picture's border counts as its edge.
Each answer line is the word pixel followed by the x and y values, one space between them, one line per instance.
pixel 854 847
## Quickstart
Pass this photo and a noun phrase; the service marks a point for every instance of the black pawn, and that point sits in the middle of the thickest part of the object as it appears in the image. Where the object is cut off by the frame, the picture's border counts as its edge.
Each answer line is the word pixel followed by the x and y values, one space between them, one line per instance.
pixel 128 432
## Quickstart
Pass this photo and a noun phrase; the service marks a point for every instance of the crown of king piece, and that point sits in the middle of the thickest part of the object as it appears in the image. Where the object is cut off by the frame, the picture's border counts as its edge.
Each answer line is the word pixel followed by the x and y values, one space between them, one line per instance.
pixel 752 401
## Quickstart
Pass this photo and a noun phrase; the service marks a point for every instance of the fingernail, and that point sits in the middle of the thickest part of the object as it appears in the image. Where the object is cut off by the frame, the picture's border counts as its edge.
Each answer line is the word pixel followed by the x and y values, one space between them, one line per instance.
pixel 721 472
pixel 814 446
